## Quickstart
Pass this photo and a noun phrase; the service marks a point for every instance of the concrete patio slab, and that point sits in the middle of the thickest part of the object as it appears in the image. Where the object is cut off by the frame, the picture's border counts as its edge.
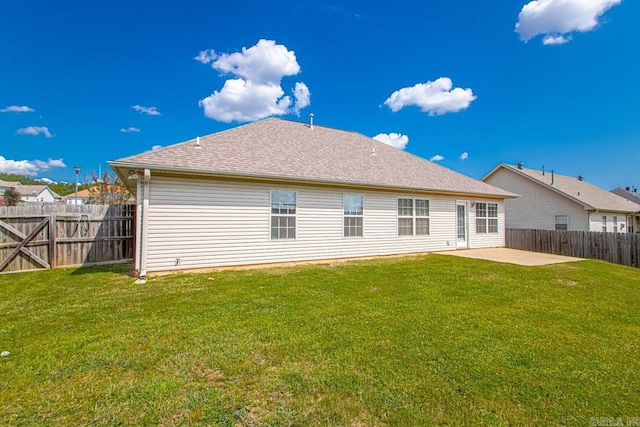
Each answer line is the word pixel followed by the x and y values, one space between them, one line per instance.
pixel 512 256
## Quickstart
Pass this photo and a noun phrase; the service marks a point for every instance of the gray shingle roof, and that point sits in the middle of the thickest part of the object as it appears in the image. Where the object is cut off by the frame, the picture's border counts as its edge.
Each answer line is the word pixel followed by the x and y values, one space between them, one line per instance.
pixel 281 149
pixel 634 197
pixel 8 183
pixel 32 190
pixel 582 192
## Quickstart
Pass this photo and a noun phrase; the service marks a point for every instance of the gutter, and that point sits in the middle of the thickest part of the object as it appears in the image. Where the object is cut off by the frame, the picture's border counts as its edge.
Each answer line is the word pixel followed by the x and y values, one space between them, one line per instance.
pixel 276 178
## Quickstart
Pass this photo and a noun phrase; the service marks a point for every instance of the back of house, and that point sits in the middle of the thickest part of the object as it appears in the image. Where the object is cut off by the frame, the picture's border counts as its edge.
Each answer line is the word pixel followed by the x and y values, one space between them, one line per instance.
pixel 279 191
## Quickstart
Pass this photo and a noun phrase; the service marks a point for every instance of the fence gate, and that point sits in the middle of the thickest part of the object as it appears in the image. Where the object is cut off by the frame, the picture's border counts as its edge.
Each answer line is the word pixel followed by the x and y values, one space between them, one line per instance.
pixel 45 236
pixel 20 246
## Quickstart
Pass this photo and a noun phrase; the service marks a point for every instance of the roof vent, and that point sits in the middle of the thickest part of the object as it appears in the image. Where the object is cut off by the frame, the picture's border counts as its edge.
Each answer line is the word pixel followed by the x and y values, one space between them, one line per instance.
pixel 542 170
pixel 520 165
pixel 198 147
pixel 311 121
pixel 580 178
pixel 373 151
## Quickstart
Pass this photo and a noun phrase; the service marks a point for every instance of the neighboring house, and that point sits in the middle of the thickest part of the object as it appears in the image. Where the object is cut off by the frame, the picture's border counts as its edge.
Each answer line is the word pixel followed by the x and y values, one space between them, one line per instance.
pixel 83 197
pixel 7 184
pixel 115 193
pixel 278 190
pixel 550 201
pixel 37 193
pixel 630 193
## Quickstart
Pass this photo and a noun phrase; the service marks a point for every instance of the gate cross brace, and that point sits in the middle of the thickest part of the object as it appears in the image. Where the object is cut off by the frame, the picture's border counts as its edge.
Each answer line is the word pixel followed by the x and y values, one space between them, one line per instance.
pixel 22 246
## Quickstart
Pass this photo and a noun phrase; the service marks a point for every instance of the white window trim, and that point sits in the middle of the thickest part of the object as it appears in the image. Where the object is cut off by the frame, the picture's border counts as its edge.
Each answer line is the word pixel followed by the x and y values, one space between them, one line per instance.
pixel 555 222
pixel 352 216
pixel 271 215
pixel 487 217
pixel 413 217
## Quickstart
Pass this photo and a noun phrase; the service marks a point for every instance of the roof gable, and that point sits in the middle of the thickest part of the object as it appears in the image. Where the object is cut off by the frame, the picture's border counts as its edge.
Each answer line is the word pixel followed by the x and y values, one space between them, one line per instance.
pixel 34 190
pixel 282 149
pixel 577 190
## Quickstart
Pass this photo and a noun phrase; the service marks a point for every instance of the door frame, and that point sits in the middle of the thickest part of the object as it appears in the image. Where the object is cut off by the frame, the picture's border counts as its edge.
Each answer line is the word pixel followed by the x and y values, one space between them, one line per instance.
pixel 463 244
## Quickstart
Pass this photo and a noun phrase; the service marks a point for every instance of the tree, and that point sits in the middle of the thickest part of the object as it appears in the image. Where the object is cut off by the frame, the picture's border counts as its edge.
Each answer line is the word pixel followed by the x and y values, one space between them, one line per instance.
pixel 107 190
pixel 11 197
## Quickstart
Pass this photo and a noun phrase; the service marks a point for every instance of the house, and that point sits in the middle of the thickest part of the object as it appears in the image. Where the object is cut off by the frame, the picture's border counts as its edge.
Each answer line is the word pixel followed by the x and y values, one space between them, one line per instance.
pixel 113 193
pixel 7 184
pixel 278 190
pixel 630 193
pixel 550 201
pixel 83 198
pixel 37 193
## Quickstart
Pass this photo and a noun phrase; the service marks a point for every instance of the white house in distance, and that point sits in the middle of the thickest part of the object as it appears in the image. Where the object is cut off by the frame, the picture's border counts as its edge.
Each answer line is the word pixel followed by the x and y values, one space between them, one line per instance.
pixel 7 184
pixel 550 201
pixel 83 197
pixel 31 193
pixel 37 194
pixel 278 190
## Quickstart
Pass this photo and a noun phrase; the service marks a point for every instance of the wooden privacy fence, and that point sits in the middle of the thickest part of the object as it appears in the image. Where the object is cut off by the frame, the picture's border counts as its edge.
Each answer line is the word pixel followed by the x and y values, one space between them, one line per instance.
pixel 50 235
pixel 618 248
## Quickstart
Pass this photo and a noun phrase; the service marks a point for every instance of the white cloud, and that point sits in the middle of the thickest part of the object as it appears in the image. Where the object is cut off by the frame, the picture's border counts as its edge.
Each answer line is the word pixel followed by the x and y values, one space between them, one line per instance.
pixel 28 167
pixel 464 156
pixel 47 180
pixel 302 96
pixel 129 129
pixel 155 147
pixel 436 98
pixel 35 130
pixel 395 140
pixel 256 90
pixel 151 111
pixel 266 62
pixel 548 40
pixel 206 56
pixel 17 109
pixel 436 158
pixel 557 18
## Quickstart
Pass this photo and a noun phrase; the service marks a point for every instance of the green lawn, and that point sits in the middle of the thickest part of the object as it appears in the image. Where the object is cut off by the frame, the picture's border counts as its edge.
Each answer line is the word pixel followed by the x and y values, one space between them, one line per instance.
pixel 401 341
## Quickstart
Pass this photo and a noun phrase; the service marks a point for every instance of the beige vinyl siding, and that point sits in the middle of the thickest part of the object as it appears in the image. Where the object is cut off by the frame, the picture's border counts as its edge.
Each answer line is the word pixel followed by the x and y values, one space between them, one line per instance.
pixel 537 206
pixel 484 240
pixel 207 223
pixel 595 221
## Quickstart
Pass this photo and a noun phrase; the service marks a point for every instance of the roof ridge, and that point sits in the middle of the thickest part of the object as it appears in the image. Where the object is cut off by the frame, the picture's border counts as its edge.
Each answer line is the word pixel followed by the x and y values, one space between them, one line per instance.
pixel 281 148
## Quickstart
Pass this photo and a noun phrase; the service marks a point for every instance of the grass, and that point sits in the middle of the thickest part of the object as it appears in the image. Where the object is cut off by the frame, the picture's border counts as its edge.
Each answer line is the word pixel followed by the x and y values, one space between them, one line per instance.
pixel 404 341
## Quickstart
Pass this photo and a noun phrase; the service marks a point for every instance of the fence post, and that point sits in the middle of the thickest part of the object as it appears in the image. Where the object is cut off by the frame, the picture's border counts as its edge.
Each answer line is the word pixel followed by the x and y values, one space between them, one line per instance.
pixel 52 241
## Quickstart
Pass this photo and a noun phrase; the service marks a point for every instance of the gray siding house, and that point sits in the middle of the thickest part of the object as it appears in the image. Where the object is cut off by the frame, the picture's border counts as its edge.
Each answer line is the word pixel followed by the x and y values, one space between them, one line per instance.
pixel 550 201
pixel 278 191
pixel 630 193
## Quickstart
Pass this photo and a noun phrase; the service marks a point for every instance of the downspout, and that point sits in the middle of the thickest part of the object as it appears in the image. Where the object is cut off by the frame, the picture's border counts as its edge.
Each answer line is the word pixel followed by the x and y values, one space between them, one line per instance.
pixel 137 246
pixel 144 226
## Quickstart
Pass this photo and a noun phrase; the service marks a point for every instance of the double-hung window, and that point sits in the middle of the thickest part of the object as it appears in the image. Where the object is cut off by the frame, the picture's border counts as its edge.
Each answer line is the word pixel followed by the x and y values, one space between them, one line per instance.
pixel 353 206
pixel 604 223
pixel 615 224
pixel 486 217
pixel 413 217
pixel 562 222
pixel 283 214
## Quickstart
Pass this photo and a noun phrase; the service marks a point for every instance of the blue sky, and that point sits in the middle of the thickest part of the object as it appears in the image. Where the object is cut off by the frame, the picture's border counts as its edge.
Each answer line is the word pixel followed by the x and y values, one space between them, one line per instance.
pixel 82 82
